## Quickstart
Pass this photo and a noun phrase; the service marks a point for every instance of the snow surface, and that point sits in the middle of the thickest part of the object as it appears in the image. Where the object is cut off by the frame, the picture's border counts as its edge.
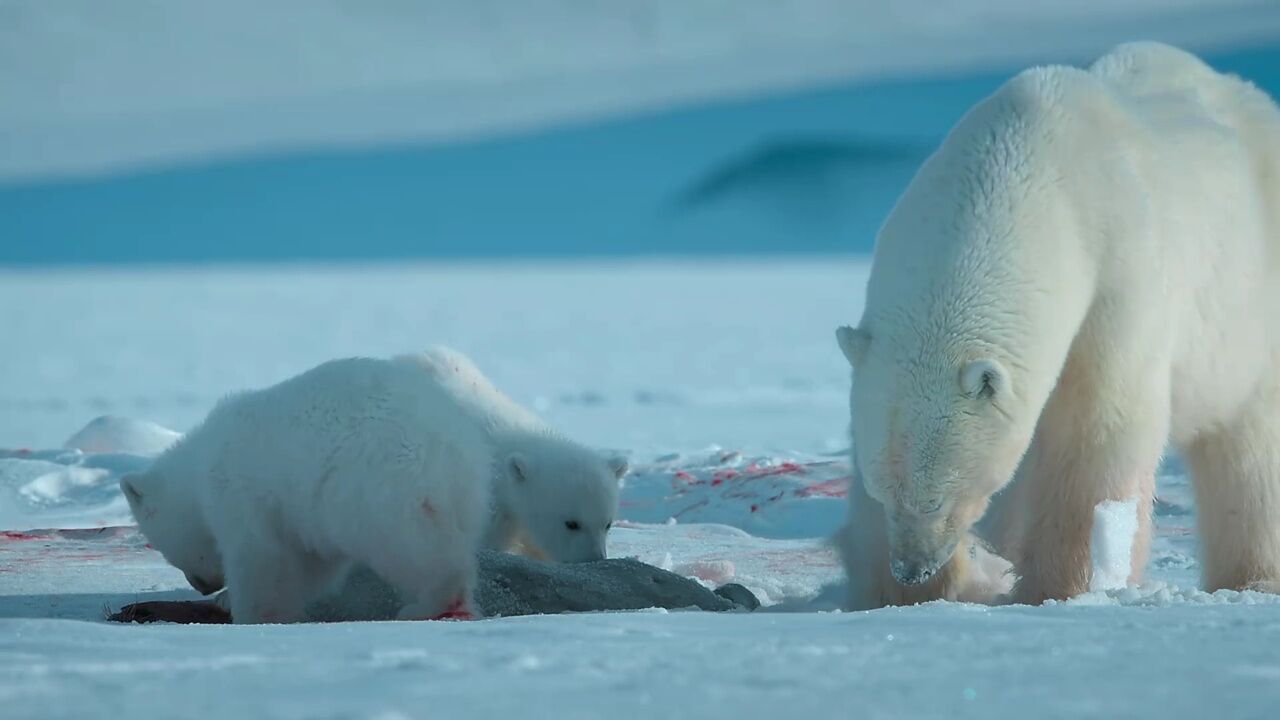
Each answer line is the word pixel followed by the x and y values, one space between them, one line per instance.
pixel 91 89
pixel 722 383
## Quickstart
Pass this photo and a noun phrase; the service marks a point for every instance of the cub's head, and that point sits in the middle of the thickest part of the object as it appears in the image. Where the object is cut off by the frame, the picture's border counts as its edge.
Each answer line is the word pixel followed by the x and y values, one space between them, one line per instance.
pixel 170 519
pixel 565 498
pixel 935 434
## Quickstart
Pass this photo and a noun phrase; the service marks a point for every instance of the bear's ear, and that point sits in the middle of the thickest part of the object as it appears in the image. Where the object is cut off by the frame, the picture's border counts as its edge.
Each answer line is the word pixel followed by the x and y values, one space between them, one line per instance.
pixel 853 343
pixel 619 466
pixel 129 486
pixel 518 468
pixel 984 379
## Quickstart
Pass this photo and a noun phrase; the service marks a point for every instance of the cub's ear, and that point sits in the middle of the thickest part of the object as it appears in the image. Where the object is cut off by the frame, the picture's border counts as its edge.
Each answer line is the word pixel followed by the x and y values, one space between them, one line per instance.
pixel 984 379
pixel 518 467
pixel 129 486
pixel 619 466
pixel 853 343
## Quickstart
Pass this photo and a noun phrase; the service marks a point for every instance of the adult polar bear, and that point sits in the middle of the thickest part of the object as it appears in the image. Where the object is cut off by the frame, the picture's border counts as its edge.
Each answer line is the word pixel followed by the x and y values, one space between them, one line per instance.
pixel 1088 267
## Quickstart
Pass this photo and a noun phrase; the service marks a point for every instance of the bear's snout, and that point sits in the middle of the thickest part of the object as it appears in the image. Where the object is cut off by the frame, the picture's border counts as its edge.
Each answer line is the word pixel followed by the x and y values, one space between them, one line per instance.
pixel 911 574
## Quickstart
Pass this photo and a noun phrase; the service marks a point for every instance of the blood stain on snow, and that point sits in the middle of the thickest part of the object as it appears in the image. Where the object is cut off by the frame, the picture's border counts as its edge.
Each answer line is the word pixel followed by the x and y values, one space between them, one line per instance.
pixel 695 506
pixel 13 535
pixel 834 488
pixel 456 611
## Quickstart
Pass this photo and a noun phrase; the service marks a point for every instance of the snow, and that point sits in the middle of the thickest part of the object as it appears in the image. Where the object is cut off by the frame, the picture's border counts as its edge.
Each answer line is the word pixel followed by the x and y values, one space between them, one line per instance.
pixel 1111 543
pixel 900 663
pixel 718 377
pixel 92 90
pixel 665 360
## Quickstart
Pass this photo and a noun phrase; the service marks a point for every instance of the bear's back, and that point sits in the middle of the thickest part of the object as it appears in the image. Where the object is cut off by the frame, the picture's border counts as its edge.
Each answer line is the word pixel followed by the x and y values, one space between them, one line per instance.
pixel 355 411
pixel 458 376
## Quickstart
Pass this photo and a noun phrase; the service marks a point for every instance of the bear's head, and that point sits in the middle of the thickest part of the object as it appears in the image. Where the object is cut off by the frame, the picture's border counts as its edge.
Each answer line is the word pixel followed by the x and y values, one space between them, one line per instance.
pixel 564 497
pixel 171 522
pixel 935 434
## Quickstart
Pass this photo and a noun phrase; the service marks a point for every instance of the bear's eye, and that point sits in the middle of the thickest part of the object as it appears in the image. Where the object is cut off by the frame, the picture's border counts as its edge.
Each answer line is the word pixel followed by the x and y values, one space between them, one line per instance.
pixel 572 524
pixel 609 525
pixel 930 507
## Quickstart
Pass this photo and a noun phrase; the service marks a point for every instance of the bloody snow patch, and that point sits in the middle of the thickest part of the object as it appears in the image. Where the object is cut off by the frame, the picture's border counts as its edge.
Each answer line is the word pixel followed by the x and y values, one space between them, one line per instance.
pixel 769 497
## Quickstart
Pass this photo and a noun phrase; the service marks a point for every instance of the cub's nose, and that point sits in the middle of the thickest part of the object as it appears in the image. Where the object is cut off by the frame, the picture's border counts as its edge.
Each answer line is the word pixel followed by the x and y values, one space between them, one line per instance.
pixel 203 586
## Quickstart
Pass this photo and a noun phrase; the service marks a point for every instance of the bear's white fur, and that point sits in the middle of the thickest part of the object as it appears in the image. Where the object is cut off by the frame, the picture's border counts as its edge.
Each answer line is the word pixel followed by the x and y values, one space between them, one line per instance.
pixel 549 492
pixel 569 482
pixel 355 461
pixel 1088 267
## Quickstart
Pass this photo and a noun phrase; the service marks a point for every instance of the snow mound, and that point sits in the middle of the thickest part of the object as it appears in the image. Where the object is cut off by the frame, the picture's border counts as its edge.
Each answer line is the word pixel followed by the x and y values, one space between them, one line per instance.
pixel 64 488
pixel 112 434
pixel 1159 594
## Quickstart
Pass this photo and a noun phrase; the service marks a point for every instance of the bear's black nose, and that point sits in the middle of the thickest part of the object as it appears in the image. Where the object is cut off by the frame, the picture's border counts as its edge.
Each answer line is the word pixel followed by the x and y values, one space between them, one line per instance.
pixel 910 574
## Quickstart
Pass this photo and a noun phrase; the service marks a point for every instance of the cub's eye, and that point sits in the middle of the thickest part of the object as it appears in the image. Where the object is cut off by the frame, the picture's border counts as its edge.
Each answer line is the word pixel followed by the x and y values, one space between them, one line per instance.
pixel 572 525
pixel 609 526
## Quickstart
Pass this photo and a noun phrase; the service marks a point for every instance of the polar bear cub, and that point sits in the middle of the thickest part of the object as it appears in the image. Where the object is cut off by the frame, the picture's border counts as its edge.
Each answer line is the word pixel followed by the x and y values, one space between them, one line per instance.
pixel 280 490
pixel 548 491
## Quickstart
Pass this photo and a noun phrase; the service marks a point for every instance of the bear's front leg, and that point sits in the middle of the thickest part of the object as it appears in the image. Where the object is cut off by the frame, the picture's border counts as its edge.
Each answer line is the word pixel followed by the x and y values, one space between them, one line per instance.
pixel 266 583
pixel 1096 440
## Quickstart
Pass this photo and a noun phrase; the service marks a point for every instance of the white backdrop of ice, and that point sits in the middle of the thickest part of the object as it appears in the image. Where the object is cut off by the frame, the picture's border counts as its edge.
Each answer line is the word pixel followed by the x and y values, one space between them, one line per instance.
pixel 95 89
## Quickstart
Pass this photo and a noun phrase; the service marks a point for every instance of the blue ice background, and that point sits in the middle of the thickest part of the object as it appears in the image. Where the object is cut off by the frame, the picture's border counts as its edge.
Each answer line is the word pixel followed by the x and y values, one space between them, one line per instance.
pixel 804 172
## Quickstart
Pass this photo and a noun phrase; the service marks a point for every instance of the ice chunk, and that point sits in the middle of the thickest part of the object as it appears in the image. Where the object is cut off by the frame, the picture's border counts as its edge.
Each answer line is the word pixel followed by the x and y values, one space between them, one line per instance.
pixel 1111 543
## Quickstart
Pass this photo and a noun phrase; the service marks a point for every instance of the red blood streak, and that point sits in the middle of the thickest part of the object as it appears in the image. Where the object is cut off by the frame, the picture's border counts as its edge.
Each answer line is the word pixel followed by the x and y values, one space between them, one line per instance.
pixel 835 488
pixel 455 611
pixel 11 535
pixel 695 506
pixel 755 507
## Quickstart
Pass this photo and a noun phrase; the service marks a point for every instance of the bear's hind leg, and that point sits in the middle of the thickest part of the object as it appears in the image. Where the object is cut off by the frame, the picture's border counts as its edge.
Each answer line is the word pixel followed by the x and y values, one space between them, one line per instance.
pixel 1236 472
pixel 432 566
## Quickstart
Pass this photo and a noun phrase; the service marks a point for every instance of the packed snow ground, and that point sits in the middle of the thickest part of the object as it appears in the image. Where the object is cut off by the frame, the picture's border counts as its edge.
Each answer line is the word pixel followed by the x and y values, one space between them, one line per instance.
pixel 722 383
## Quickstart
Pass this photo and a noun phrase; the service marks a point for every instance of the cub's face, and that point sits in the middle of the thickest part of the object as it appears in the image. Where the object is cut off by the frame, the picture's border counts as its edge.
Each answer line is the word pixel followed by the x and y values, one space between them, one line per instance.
pixel 566 503
pixel 933 440
pixel 171 522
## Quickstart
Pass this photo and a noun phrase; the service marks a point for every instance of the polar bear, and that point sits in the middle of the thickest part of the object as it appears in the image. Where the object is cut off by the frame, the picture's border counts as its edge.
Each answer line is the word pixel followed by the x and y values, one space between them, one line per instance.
pixel 548 494
pixel 355 461
pixel 552 495
pixel 1087 268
